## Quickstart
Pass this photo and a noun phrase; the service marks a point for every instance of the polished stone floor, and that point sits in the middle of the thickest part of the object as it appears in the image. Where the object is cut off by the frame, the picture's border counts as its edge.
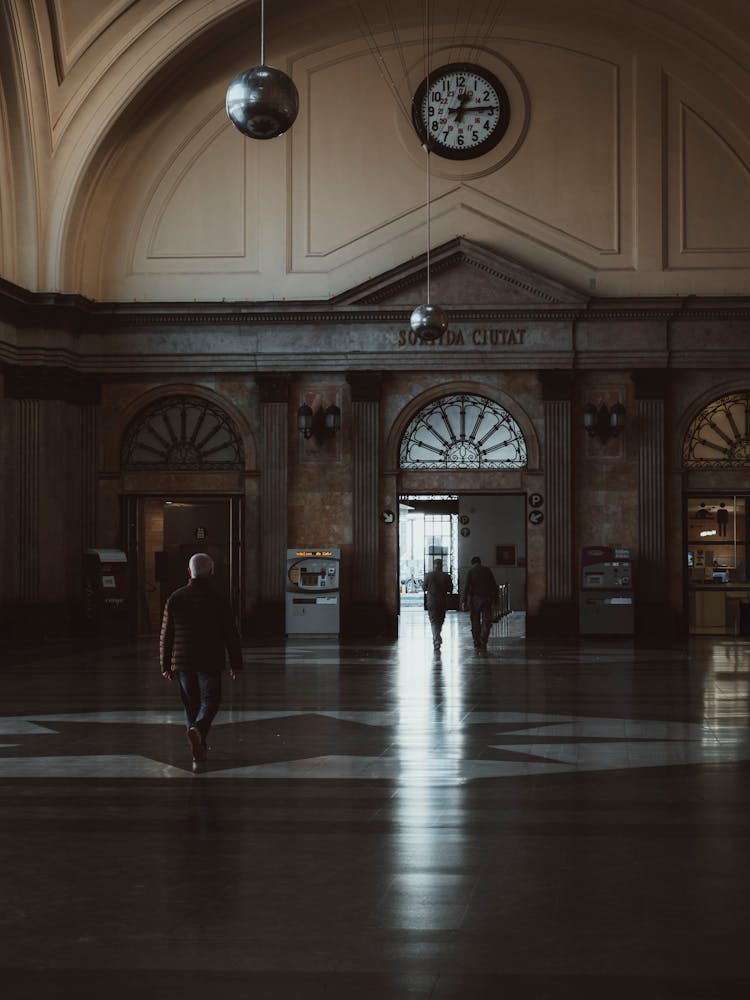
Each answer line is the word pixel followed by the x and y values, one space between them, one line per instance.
pixel 540 821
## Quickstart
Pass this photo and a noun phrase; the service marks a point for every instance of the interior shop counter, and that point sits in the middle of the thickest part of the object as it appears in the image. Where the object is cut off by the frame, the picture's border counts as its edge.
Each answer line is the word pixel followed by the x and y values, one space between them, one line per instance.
pixel 719 609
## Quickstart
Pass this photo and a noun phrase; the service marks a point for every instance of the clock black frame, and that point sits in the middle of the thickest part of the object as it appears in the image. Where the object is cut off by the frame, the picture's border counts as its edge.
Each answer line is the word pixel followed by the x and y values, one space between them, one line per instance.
pixel 471 152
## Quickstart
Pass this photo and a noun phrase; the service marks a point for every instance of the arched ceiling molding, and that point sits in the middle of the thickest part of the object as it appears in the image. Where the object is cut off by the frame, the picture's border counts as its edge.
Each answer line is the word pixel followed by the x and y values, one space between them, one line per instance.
pixel 721 34
pixel 90 60
pixel 121 77
pixel 25 146
pixel 113 100
pixel 73 35
pixel 708 152
pixel 724 162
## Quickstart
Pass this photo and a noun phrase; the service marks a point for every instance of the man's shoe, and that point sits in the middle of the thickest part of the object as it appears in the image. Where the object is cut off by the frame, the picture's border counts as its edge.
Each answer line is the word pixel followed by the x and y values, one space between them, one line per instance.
pixel 196 745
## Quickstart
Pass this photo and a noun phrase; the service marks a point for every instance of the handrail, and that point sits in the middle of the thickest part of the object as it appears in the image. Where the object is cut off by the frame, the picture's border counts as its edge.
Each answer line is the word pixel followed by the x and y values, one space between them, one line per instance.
pixel 501 605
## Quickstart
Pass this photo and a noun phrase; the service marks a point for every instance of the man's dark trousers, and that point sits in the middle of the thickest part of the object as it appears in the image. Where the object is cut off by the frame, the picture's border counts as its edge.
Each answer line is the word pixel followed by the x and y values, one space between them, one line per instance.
pixel 201 696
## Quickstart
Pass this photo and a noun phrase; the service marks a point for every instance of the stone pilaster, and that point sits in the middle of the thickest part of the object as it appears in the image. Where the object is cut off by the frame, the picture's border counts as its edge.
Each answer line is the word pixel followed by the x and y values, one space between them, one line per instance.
pixel 89 451
pixel 366 613
pixel 274 443
pixel 652 614
pixel 37 388
pixel 28 507
pixel 558 615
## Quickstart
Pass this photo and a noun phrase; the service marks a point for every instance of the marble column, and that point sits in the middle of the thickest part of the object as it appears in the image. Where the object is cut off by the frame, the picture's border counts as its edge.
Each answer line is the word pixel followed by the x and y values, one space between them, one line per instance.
pixel 366 613
pixel 652 612
pixel 558 614
pixel 89 452
pixel 28 506
pixel 35 388
pixel 273 462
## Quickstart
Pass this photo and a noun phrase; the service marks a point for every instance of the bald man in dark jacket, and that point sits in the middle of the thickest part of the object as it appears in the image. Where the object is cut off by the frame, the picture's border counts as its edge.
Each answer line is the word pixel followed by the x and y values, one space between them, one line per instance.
pixel 197 631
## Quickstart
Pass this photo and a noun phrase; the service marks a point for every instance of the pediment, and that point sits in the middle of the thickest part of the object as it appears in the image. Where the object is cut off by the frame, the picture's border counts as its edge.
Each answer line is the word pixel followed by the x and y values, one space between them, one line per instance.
pixel 463 273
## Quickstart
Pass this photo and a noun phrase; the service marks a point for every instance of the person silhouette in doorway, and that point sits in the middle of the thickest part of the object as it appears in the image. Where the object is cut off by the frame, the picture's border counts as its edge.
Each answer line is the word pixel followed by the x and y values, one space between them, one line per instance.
pixel 478 596
pixel 437 586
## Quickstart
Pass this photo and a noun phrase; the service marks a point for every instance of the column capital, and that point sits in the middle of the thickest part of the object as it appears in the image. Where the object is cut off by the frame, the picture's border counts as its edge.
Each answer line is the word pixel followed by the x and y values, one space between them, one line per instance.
pixel 366 387
pixel 557 384
pixel 650 383
pixel 273 388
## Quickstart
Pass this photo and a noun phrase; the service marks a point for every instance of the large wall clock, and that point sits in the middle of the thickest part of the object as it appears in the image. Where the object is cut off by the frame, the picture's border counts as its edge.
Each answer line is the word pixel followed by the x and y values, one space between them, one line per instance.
pixel 463 114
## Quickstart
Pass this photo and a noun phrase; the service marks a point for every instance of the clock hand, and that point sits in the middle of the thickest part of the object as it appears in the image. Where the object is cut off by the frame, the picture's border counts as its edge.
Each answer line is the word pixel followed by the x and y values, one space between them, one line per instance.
pixel 479 107
pixel 459 111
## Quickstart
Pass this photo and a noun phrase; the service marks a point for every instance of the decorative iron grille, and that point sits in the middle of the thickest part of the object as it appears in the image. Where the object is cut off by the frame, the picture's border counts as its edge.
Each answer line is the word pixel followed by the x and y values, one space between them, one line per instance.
pixel 181 432
pixel 719 437
pixel 463 431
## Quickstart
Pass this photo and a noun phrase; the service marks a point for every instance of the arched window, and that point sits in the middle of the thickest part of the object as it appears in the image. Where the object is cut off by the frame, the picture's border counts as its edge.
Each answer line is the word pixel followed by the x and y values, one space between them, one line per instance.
pixel 181 432
pixel 719 437
pixel 463 431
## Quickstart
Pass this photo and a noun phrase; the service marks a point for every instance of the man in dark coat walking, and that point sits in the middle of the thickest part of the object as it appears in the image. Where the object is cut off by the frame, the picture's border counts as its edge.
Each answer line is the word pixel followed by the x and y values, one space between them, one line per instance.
pixel 478 595
pixel 197 628
pixel 437 586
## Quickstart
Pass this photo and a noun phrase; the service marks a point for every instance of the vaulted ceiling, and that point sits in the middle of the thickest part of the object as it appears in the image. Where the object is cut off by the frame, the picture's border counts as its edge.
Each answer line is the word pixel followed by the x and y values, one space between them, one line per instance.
pixel 87 87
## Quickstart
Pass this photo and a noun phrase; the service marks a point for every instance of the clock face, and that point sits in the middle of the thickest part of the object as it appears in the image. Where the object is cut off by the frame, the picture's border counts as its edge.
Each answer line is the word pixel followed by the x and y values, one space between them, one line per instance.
pixel 463 113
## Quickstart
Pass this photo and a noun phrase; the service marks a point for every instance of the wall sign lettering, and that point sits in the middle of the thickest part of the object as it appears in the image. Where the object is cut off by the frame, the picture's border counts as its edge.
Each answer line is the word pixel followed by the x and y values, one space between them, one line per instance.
pixel 495 337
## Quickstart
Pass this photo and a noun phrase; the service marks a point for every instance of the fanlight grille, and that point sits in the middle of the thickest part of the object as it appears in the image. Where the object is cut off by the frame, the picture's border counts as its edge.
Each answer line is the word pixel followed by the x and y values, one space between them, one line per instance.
pixel 463 431
pixel 181 432
pixel 719 437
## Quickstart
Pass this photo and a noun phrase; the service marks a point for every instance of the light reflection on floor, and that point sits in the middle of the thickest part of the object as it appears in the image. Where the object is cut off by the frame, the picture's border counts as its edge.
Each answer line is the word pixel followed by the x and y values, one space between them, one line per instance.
pixel 546 821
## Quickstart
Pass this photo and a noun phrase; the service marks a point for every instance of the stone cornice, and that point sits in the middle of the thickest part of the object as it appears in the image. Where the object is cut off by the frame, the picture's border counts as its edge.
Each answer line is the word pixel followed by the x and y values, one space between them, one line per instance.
pixel 75 313
pixel 46 382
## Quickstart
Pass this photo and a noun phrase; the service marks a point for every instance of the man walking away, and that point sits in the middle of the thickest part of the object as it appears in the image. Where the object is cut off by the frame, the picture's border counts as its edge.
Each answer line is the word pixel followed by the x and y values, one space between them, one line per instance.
pixel 478 595
pixel 437 586
pixel 197 628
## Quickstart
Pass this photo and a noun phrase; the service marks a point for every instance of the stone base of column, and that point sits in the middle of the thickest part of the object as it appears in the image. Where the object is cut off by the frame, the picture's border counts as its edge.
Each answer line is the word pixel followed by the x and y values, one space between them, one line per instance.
pixel 553 621
pixel 656 620
pixel 370 621
pixel 41 621
pixel 267 622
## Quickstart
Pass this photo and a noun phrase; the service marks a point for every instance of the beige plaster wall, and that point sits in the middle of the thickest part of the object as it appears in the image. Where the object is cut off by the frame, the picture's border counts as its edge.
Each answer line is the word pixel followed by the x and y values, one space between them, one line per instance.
pixel 626 170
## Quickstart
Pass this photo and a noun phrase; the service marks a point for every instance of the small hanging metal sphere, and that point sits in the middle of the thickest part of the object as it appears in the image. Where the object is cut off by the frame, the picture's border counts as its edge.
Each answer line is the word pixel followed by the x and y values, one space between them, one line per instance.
pixel 262 102
pixel 430 322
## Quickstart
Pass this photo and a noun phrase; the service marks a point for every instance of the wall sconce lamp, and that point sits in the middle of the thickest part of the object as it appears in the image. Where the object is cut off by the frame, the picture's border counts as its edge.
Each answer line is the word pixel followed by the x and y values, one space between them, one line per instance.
pixel 603 422
pixel 321 425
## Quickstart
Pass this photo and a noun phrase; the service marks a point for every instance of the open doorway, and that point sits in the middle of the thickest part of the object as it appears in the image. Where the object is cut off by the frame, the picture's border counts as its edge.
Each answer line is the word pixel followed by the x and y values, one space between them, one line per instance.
pixel 170 530
pixel 428 530
pixel 455 528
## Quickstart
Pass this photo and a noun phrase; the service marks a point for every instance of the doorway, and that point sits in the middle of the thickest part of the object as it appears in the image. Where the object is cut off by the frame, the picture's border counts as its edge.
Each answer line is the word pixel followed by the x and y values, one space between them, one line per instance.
pixel 455 528
pixel 168 531
pixel 716 562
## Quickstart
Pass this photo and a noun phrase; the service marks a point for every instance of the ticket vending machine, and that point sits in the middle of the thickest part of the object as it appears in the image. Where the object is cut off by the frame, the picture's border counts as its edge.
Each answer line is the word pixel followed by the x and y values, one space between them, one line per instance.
pixel 106 592
pixel 313 591
pixel 605 605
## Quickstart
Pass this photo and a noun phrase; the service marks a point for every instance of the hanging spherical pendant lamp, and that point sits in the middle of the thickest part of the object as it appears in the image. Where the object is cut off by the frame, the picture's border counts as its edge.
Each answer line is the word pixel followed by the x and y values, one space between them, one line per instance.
pixel 429 321
pixel 262 102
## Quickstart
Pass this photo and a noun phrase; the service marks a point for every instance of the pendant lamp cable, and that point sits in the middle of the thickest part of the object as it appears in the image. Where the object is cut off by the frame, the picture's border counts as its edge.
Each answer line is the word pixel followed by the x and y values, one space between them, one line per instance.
pixel 427 139
pixel 262 33
pixel 378 55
